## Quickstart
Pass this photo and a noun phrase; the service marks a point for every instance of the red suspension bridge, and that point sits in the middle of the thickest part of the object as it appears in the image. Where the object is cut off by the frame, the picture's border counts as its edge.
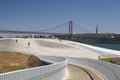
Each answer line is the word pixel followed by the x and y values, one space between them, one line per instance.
pixel 68 25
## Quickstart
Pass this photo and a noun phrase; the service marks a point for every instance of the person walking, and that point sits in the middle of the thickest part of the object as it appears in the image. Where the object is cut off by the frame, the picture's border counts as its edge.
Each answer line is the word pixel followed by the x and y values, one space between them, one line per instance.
pixel 16 41
pixel 28 44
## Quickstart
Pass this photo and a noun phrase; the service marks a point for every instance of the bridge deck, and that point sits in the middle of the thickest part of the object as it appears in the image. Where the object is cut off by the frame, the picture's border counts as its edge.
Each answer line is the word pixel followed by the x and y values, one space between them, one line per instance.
pixel 79 73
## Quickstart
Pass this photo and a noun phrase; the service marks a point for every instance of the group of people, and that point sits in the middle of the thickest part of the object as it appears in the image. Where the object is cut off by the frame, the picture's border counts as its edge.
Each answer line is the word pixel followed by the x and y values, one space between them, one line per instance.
pixel 27 44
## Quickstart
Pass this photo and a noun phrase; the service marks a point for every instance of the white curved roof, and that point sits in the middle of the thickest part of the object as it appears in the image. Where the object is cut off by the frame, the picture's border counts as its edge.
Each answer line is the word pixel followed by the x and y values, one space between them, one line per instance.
pixel 52 47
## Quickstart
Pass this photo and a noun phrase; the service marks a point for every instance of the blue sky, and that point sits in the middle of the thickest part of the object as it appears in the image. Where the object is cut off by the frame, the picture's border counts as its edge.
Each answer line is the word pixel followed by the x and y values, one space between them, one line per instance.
pixel 43 14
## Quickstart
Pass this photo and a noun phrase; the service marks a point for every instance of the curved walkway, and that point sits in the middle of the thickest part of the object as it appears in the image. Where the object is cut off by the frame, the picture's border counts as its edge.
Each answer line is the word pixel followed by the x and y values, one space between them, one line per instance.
pixel 79 73
pixel 49 47
pixel 55 47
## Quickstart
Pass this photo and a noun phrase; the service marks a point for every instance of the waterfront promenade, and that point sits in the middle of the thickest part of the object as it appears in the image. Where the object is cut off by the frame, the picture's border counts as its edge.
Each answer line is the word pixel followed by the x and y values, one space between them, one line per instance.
pixel 52 47
pixel 60 48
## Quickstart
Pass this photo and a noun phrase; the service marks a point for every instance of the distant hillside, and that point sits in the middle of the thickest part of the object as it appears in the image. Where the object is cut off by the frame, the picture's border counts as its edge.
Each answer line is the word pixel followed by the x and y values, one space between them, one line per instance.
pixel 105 38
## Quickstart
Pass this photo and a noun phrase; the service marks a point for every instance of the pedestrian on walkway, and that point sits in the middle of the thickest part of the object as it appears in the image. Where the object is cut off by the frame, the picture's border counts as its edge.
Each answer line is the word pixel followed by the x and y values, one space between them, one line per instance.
pixel 16 41
pixel 28 44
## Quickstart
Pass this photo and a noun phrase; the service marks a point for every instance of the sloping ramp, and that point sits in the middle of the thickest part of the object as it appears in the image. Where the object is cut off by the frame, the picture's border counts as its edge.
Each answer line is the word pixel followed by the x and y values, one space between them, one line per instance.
pixel 80 73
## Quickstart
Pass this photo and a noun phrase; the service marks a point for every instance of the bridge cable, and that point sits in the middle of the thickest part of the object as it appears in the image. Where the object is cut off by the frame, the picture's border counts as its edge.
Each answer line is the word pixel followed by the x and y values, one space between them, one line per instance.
pixel 53 28
pixel 82 28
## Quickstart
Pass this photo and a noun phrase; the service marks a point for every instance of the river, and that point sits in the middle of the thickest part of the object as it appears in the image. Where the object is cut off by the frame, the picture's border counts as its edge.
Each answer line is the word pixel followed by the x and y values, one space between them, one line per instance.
pixel 109 46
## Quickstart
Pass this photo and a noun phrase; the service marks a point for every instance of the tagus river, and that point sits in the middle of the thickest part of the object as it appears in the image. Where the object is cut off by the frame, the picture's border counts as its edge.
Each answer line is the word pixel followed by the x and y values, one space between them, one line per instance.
pixel 109 46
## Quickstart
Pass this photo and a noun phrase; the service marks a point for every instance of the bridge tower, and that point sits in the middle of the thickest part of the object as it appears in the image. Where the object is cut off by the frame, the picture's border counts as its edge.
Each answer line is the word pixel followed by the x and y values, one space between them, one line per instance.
pixel 70 30
pixel 97 29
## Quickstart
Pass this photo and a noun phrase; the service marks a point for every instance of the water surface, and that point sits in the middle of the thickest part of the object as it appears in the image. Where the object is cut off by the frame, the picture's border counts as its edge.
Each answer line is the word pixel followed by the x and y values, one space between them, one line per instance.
pixel 109 46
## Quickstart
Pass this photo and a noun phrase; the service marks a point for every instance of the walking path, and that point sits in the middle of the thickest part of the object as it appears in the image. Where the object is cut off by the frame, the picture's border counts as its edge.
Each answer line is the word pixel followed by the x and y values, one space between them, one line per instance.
pixel 55 47
pixel 79 73
pixel 49 47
